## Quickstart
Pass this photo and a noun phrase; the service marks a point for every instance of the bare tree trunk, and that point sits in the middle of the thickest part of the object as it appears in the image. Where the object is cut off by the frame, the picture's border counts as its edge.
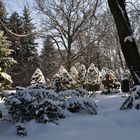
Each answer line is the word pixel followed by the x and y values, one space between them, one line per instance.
pixel 128 44
pixel 68 65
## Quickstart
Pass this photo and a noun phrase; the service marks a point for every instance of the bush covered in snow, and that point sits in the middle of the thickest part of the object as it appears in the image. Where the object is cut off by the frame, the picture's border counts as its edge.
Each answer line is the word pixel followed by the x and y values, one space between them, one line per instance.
pixel 38 103
pixel 83 105
pixel 133 100
pixel 34 102
pixel 78 100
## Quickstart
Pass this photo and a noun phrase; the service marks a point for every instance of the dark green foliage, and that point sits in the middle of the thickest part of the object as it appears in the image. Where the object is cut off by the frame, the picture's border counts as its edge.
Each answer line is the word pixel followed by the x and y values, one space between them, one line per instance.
pixel 81 105
pixel 28 43
pixel 34 102
pixel 25 48
pixel 5 61
pixel 48 63
pixel 38 103
pixel 5 51
pixel 15 25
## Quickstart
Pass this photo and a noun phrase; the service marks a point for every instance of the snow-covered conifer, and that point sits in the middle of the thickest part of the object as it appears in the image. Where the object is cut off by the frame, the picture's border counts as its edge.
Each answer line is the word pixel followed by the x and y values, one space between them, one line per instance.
pixel 74 73
pixel 62 71
pixel 63 80
pixel 93 74
pixel 81 72
pixel 37 77
pixel 109 81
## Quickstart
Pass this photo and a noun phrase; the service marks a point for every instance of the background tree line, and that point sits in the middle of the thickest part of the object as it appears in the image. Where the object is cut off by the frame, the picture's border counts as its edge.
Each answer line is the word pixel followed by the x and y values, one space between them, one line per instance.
pixel 71 31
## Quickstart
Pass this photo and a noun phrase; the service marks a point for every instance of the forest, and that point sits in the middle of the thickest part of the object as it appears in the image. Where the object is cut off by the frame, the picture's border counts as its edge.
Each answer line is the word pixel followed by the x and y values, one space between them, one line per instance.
pixel 71 64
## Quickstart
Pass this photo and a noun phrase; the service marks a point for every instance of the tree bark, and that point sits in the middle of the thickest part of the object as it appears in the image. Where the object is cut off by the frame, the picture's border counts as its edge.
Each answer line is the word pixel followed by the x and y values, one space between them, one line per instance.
pixel 128 44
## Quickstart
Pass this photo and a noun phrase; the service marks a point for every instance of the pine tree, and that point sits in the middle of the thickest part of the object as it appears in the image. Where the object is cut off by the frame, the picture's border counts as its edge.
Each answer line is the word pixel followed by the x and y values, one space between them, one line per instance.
pixel 17 71
pixel 29 47
pixel 93 75
pixel 5 61
pixel 28 43
pixel 63 80
pixel 15 25
pixel 4 52
pixel 48 58
pixel 25 51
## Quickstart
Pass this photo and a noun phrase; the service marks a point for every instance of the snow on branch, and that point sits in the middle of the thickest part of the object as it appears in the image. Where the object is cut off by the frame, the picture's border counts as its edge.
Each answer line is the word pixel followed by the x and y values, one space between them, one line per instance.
pixel 128 38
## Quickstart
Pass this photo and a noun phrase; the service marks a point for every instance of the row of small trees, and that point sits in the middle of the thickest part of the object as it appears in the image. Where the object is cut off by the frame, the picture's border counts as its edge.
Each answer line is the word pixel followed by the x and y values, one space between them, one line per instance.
pixel 91 79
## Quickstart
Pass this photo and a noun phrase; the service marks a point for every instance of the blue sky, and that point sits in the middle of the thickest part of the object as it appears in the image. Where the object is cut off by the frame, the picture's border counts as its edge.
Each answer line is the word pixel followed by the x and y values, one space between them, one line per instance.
pixel 17 5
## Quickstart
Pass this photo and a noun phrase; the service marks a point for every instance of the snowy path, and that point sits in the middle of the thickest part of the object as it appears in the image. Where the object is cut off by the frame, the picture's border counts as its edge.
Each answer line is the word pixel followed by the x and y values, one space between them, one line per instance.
pixel 110 124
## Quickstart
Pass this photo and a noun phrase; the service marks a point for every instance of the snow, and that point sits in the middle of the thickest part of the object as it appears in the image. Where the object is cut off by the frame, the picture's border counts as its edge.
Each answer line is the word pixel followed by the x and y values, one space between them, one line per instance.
pixel 128 38
pixel 62 71
pixel 110 123
pixel 6 77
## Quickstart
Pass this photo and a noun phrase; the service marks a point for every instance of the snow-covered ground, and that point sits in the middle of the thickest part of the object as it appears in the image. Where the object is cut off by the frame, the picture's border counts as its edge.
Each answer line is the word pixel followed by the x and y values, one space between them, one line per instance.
pixel 109 124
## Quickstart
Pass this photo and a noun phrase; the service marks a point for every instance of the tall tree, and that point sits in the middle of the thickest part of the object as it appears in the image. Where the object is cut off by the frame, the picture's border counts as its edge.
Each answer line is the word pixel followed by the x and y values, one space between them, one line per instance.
pixel 48 58
pixel 29 46
pixel 65 20
pixel 5 60
pixel 28 43
pixel 15 25
pixel 5 51
pixel 128 44
pixel 25 48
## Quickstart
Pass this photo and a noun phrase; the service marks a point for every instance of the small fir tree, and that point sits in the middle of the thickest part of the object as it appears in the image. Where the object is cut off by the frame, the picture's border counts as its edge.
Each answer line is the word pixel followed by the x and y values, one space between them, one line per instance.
pixel 93 78
pixel 62 80
pixel 38 78
pixel 81 73
pixel 74 73
pixel 93 75
pixel 109 81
